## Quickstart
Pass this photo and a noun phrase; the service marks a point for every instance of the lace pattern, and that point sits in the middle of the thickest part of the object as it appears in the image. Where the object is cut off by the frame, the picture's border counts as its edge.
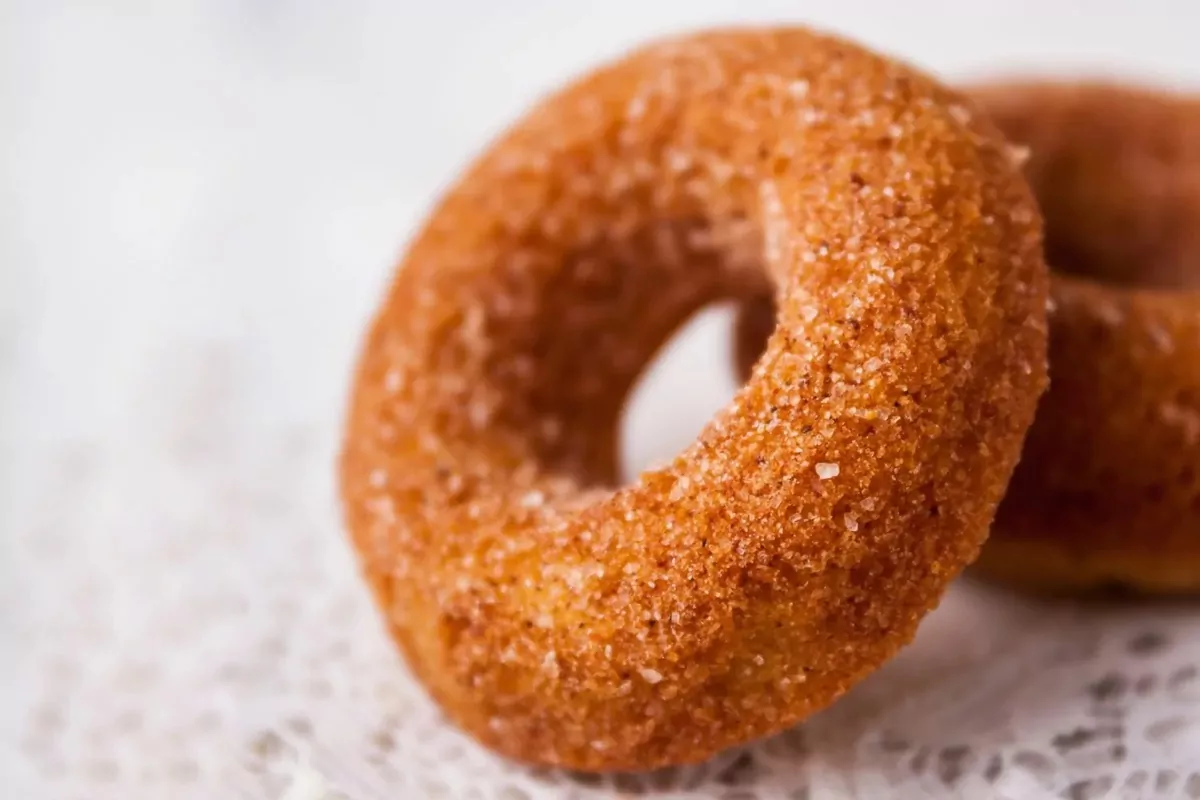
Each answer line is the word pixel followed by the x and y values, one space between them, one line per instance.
pixel 191 621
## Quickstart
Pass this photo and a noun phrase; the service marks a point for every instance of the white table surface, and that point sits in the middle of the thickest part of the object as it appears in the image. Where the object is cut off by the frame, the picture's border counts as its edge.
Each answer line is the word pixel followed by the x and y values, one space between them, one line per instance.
pixel 199 195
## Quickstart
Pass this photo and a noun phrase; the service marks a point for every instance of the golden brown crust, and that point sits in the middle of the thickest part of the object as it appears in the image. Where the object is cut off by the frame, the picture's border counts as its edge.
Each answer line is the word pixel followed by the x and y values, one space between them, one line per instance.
pixel 794 547
pixel 1108 489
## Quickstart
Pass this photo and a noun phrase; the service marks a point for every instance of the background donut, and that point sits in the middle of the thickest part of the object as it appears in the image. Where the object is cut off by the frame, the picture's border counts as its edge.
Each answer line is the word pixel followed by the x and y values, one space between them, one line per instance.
pixel 794 547
pixel 1108 489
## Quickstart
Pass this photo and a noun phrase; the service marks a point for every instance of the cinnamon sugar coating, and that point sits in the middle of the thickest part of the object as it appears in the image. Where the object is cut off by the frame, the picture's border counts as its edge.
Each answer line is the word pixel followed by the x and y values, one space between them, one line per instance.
pixel 562 619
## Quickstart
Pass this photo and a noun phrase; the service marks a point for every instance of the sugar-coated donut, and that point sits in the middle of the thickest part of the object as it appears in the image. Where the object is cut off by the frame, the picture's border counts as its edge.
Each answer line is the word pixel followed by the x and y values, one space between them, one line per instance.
pixel 1108 491
pixel 563 619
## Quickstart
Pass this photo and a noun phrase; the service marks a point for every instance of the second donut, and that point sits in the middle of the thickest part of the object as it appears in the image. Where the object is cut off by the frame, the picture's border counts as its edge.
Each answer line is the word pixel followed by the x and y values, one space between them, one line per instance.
pixel 1107 493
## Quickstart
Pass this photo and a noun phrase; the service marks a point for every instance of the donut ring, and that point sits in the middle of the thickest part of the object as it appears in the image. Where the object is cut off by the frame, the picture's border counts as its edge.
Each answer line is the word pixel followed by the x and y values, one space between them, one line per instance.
pixel 793 548
pixel 1108 489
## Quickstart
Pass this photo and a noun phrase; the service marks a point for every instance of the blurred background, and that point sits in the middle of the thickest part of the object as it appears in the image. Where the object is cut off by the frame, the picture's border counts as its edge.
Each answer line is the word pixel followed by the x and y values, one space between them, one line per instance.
pixel 246 171
pixel 200 204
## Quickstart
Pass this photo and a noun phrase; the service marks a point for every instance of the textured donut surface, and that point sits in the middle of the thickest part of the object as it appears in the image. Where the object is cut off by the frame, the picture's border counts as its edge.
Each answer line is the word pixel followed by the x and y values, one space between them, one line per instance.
pixel 1108 491
pixel 562 618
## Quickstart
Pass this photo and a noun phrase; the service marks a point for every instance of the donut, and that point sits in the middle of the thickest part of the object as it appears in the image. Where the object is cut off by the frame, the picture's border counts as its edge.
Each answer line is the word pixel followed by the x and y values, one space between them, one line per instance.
pixel 1107 494
pixel 563 618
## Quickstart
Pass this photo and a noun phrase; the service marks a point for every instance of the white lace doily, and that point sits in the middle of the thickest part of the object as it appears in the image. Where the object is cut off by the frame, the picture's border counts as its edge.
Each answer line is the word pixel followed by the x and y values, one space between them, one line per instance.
pixel 206 210
pixel 190 618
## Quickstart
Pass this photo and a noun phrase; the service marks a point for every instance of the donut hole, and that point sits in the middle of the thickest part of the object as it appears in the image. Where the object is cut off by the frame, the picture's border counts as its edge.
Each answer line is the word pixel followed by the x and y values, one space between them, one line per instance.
pixel 753 327
pixel 1187 475
pixel 1187 398
pixel 678 392
pixel 1067 253
pixel 1106 221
